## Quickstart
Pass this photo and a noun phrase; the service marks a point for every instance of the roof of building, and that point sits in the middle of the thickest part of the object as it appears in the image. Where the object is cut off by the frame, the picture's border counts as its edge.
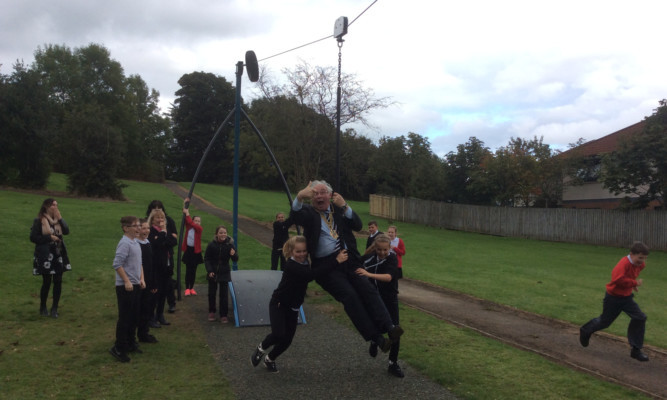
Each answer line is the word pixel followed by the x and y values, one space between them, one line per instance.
pixel 606 144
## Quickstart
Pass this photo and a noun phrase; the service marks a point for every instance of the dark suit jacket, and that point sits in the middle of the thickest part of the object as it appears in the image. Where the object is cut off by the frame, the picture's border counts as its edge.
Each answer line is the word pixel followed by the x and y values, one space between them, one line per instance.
pixel 310 220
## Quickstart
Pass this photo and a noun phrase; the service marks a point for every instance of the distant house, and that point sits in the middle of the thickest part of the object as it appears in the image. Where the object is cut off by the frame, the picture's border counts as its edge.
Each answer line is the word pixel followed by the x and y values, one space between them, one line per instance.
pixel 591 194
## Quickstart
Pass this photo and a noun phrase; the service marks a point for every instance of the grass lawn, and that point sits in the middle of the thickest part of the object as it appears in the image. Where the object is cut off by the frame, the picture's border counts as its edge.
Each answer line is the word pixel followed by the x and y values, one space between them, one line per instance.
pixel 559 280
pixel 68 358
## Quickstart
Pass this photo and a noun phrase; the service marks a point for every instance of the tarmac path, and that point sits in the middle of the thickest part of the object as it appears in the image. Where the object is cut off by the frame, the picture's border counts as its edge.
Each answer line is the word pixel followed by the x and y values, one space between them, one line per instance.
pixel 607 357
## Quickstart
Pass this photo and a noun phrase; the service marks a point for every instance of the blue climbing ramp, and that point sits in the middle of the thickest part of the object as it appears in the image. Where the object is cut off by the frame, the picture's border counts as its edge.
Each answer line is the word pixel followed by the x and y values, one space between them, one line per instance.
pixel 251 292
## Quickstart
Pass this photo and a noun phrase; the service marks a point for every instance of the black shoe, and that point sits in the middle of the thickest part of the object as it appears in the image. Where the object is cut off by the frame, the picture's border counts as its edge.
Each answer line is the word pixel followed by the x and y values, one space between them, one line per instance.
pixel 172 309
pixel 163 321
pixel 373 350
pixel 148 339
pixel 395 333
pixel 43 311
pixel 54 312
pixel 270 365
pixel 154 324
pixel 584 337
pixel 395 370
pixel 256 357
pixel 122 357
pixel 637 354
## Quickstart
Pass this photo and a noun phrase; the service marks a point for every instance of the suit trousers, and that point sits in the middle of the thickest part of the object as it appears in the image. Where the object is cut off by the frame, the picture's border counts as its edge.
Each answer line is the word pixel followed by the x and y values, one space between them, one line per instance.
pixel 360 298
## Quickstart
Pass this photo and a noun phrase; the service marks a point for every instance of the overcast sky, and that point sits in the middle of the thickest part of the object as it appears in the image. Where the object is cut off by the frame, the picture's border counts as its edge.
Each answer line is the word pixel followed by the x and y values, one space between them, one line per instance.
pixel 486 68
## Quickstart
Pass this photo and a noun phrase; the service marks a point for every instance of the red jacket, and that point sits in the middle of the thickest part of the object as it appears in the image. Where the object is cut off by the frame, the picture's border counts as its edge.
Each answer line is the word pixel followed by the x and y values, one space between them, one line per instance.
pixel 400 252
pixel 189 224
pixel 624 277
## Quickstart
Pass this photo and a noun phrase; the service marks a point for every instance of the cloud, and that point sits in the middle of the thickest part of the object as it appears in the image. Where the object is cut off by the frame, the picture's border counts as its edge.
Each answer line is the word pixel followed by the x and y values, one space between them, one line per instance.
pixel 483 68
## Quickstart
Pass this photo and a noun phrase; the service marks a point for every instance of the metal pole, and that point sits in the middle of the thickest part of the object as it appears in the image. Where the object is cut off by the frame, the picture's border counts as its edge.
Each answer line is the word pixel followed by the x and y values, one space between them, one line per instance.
pixel 192 188
pixel 237 142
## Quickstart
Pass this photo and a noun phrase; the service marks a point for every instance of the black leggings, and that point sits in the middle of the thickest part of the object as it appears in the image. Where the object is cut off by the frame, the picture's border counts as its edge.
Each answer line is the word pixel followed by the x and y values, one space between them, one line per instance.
pixel 190 275
pixel 46 285
pixel 283 327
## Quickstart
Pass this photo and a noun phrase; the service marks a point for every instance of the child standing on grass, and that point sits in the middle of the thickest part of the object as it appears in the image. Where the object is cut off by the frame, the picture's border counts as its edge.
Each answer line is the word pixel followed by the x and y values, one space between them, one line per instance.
pixel 397 247
pixel 148 294
pixel 619 297
pixel 191 248
pixel 129 282
pixel 286 301
pixel 218 253
pixel 381 267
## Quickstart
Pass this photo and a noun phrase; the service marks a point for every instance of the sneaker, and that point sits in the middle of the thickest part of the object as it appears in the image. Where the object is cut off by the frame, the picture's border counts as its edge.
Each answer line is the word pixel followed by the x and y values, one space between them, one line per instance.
pixel 395 370
pixel 122 357
pixel 395 333
pixel 256 357
pixel 270 365
pixel 637 354
pixel 148 339
pixel 187 292
pixel 211 317
pixel 584 337
pixel 172 309
pixel 224 320
pixel 373 350
pixel 193 292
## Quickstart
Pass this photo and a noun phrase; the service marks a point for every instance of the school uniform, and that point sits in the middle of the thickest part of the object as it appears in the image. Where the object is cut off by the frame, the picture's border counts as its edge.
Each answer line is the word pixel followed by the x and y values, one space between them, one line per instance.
pixel 284 306
pixel 216 260
pixel 388 290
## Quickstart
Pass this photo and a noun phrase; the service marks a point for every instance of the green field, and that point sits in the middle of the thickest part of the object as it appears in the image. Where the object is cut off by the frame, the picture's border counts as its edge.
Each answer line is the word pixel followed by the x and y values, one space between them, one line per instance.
pixel 67 358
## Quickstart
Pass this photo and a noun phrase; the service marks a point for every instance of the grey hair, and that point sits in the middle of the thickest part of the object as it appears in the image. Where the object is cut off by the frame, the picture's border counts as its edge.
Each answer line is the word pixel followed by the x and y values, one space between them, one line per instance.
pixel 316 183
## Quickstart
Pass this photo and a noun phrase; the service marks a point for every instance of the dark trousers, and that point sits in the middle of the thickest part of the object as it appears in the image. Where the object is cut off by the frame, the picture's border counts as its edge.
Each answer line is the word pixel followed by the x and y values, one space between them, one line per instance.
pixel 611 308
pixel 128 315
pixel 146 307
pixel 190 275
pixel 391 302
pixel 283 328
pixel 46 285
pixel 360 298
pixel 212 292
pixel 164 287
pixel 277 255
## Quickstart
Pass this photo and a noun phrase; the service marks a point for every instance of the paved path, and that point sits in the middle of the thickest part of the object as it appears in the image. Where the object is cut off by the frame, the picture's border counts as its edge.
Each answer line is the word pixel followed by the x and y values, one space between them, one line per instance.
pixel 607 357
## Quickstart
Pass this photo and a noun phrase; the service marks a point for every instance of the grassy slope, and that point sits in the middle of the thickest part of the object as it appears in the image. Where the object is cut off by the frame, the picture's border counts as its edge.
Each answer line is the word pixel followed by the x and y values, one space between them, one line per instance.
pixel 69 355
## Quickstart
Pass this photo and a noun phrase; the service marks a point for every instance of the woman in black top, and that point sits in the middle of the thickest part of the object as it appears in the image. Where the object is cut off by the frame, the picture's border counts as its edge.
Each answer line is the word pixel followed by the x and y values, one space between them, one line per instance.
pixel 50 257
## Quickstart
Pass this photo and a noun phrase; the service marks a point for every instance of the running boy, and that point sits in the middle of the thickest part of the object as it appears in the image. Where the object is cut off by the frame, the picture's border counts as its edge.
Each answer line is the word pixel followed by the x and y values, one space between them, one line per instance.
pixel 619 297
pixel 286 301
pixel 380 265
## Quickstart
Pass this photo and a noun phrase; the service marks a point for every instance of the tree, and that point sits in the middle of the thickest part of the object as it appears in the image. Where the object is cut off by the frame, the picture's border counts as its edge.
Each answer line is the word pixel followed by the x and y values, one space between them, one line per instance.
pixel 24 117
pixel 203 102
pixel 465 174
pixel 301 140
pixel 101 125
pixel 316 87
pixel 147 133
pixel 639 167
pixel 525 173
pixel 94 145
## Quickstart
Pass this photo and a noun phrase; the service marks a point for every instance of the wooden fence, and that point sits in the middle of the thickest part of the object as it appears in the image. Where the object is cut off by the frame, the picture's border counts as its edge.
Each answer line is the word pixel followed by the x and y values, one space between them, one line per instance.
pixel 598 227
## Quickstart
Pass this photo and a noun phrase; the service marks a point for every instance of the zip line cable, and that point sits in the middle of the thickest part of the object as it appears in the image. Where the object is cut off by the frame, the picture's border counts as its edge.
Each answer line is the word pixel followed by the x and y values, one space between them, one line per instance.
pixel 318 40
